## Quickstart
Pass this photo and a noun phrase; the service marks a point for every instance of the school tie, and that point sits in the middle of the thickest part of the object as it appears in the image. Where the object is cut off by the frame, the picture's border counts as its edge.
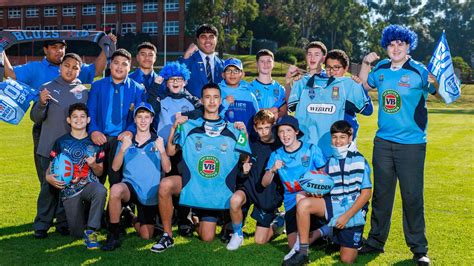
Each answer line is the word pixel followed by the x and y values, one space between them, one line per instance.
pixel 116 106
pixel 146 80
pixel 208 70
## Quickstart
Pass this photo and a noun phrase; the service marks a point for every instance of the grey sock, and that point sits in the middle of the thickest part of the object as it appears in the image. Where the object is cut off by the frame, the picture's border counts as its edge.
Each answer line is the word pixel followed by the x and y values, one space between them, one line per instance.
pixel 304 248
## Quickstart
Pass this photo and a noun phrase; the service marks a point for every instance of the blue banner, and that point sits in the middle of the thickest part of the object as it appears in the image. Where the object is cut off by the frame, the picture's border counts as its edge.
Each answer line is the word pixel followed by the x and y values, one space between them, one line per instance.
pixel 441 65
pixel 15 99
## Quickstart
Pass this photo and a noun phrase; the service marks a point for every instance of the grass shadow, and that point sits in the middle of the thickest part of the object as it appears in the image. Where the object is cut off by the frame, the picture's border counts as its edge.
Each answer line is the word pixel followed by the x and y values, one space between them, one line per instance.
pixel 451 111
pixel 17 229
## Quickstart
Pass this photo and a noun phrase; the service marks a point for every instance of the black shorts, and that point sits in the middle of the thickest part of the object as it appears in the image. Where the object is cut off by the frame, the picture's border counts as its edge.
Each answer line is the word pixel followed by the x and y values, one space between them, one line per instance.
pixel 350 237
pixel 291 225
pixel 208 215
pixel 264 218
pixel 146 214
pixel 176 164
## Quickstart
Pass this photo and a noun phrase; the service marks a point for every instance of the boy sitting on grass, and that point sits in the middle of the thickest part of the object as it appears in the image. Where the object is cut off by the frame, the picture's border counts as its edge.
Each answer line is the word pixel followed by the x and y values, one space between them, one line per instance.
pixel 85 187
pixel 345 207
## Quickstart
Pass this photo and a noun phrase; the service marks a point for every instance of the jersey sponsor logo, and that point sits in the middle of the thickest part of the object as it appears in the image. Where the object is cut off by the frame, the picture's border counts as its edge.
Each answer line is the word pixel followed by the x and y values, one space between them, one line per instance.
pixel 242 139
pixel 335 93
pixel 404 81
pixel 321 108
pixel 208 166
pixel 391 101
pixel 184 109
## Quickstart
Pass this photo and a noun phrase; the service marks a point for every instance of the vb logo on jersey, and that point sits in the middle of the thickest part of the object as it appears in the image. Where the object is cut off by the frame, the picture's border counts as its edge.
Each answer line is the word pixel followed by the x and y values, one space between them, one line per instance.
pixel 208 166
pixel 391 101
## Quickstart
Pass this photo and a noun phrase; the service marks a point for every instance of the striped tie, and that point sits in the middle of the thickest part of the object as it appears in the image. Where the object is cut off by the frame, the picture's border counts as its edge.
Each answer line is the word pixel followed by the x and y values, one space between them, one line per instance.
pixel 208 70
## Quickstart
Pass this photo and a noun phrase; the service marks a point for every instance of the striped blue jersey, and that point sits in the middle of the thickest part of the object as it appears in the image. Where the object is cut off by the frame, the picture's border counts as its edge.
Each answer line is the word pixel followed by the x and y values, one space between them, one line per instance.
pixel 268 95
pixel 402 94
pixel 307 157
pixel 245 105
pixel 142 170
pixel 211 151
pixel 318 102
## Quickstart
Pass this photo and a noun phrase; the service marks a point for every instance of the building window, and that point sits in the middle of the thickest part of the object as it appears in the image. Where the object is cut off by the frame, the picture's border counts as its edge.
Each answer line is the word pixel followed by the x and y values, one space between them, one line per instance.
pixel 171 5
pixel 50 27
pixel 150 6
pixel 129 7
pixel 50 11
pixel 109 9
pixel 32 12
pixel 172 27
pixel 69 27
pixel 109 27
pixel 69 11
pixel 88 10
pixel 33 28
pixel 150 28
pixel 1 13
pixel 128 27
pixel 88 27
pixel 14 12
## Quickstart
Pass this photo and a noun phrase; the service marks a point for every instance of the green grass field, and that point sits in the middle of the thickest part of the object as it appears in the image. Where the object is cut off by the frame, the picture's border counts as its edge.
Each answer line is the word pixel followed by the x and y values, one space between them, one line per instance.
pixel 449 187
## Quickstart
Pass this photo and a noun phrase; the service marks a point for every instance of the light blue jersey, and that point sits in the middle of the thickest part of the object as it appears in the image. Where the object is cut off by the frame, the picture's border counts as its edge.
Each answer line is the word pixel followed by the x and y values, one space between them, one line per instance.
pixel 245 104
pixel 402 94
pixel 296 164
pixel 142 170
pixel 268 95
pixel 320 103
pixel 211 151
pixel 169 106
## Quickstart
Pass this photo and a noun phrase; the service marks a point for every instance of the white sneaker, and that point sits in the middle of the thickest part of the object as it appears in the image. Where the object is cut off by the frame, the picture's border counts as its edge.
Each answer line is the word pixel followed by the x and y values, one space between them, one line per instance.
pixel 235 242
pixel 296 247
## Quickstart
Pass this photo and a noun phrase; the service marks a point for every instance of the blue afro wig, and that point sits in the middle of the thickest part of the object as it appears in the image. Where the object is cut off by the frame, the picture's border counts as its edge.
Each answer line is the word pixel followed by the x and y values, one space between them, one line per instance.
pixel 175 69
pixel 398 33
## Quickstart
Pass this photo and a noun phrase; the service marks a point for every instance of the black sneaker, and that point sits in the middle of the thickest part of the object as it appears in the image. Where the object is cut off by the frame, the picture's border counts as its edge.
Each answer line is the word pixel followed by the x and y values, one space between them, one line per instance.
pixel 296 260
pixel 40 234
pixel 186 230
pixel 163 243
pixel 63 230
pixel 421 259
pixel 367 249
pixel 226 233
pixel 111 243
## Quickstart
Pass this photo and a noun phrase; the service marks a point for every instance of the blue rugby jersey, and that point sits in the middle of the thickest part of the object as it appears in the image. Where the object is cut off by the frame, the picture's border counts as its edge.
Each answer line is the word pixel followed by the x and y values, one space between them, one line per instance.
pixel 245 104
pixel 296 164
pixel 268 95
pixel 77 150
pixel 142 170
pixel 211 151
pixel 319 105
pixel 169 106
pixel 402 94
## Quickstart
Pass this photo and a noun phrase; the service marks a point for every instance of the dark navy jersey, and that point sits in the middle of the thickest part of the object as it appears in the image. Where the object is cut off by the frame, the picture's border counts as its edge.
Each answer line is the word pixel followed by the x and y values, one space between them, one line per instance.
pixel 267 198
pixel 402 94
pixel 211 151
pixel 77 150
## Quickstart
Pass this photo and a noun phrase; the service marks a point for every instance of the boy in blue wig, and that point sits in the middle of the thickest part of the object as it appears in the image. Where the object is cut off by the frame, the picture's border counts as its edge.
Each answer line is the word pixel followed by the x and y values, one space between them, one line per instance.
pixel 403 85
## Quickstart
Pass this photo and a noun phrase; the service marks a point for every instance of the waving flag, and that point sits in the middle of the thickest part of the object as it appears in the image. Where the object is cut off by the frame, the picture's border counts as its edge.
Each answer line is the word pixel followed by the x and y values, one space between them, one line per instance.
pixel 15 99
pixel 441 65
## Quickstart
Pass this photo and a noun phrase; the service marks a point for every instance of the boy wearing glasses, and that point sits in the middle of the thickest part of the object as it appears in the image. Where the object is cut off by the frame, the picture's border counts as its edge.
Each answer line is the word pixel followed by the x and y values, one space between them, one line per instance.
pixel 240 103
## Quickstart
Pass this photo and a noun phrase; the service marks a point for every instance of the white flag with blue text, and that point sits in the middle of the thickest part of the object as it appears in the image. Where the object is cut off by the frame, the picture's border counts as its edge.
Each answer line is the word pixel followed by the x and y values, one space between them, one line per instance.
pixel 441 65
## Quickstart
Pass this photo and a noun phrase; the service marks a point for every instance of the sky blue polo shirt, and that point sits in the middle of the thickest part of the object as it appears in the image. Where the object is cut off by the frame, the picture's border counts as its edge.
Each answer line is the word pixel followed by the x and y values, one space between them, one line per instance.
pixel 38 73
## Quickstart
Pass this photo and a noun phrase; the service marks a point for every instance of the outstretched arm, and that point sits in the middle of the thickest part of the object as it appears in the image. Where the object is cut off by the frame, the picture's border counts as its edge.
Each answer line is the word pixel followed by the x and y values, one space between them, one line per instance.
pixel 101 61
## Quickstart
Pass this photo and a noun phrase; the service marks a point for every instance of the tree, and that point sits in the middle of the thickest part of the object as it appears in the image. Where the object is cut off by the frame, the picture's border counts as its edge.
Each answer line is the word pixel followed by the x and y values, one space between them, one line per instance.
pixel 230 17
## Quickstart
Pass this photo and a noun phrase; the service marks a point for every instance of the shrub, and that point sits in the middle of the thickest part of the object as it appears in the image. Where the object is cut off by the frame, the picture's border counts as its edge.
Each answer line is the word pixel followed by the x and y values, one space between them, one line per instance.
pixel 290 54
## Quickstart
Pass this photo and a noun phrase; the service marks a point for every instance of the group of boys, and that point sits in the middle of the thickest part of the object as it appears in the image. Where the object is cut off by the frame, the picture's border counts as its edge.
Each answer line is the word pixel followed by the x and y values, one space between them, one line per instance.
pixel 235 146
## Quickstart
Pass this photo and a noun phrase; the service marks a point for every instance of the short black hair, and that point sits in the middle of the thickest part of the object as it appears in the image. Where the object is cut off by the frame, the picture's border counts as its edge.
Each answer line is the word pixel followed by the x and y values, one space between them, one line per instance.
pixel 73 56
pixel 206 28
pixel 264 52
pixel 339 55
pixel 78 107
pixel 316 44
pixel 146 45
pixel 121 52
pixel 342 126
pixel 210 86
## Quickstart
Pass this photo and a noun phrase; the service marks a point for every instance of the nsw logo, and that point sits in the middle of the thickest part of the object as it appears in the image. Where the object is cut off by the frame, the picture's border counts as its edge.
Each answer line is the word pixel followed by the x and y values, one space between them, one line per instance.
pixel 391 101
pixel 321 108
pixel 208 166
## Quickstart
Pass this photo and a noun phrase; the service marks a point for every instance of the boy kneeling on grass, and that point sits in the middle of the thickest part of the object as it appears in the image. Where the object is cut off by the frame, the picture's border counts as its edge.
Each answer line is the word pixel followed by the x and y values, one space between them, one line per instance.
pixel 345 207
pixel 85 187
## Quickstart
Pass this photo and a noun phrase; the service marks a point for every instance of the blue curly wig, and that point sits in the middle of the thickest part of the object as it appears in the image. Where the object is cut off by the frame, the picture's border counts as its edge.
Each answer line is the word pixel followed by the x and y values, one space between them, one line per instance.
pixel 175 69
pixel 400 33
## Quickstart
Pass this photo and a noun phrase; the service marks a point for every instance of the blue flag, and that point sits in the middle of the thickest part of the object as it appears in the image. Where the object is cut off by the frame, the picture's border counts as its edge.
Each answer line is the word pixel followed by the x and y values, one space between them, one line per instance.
pixel 441 65
pixel 15 99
